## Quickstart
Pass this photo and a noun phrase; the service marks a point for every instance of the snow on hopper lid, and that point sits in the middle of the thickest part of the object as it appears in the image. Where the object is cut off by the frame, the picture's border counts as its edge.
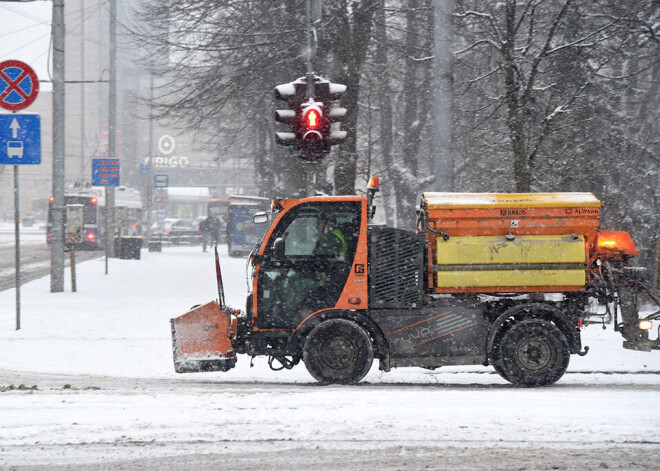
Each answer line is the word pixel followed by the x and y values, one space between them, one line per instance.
pixel 508 200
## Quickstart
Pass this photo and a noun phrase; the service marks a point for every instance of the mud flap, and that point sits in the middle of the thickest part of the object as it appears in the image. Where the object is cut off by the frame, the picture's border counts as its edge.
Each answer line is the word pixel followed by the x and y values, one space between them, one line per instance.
pixel 202 339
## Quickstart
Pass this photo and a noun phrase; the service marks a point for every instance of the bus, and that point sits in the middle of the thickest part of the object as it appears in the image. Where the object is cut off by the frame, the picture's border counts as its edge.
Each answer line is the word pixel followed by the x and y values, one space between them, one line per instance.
pixel 242 232
pixel 91 220
pixel 128 214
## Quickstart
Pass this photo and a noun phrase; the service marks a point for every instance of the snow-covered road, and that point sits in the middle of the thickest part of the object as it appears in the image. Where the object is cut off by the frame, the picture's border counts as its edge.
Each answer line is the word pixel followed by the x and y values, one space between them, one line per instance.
pixel 99 392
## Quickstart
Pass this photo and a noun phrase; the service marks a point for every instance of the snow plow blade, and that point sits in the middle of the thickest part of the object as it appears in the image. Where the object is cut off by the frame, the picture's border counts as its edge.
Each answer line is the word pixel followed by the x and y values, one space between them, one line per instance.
pixel 202 339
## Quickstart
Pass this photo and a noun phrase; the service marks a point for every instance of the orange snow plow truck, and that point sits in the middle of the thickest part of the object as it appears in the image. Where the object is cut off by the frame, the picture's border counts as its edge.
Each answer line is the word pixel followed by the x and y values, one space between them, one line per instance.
pixel 507 280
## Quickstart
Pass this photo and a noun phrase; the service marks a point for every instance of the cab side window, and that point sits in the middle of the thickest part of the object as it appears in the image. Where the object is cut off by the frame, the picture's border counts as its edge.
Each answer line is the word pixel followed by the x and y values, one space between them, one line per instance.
pixel 301 235
pixel 321 229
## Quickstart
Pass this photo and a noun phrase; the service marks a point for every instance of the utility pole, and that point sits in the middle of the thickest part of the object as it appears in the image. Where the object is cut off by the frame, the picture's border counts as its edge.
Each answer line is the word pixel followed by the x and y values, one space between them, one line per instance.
pixel 443 161
pixel 82 91
pixel 150 174
pixel 57 241
pixel 312 15
pixel 112 130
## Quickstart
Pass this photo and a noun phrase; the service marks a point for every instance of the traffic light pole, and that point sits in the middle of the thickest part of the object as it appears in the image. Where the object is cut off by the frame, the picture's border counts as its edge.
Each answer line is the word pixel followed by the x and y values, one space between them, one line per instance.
pixel 311 18
pixel 311 43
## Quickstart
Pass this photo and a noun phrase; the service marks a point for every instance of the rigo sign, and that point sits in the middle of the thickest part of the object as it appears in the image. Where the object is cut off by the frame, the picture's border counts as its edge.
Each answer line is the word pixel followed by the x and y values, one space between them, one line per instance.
pixel 169 162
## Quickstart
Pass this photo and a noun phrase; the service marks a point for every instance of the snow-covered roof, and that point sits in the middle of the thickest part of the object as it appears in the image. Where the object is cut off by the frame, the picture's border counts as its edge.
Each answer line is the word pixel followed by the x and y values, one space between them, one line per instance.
pixel 508 200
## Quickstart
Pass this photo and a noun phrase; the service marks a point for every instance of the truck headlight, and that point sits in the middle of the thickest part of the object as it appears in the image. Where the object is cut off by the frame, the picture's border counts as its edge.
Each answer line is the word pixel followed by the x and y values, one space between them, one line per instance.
pixel 645 325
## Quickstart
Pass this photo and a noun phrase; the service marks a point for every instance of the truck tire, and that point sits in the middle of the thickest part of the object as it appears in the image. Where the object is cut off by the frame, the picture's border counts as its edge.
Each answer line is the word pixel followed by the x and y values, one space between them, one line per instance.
pixel 338 351
pixel 532 352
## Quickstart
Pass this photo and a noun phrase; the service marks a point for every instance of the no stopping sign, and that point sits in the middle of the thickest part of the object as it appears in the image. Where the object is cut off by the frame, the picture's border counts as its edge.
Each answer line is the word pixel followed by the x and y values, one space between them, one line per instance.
pixel 19 85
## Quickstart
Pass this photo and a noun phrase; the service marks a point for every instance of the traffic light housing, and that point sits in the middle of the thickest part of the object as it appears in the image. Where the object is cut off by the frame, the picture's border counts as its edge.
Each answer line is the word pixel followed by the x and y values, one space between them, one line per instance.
pixel 313 128
pixel 294 94
pixel 329 94
pixel 310 119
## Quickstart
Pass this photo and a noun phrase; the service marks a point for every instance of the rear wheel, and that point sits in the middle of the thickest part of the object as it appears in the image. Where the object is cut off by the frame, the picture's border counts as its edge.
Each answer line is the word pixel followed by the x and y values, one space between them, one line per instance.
pixel 533 352
pixel 338 351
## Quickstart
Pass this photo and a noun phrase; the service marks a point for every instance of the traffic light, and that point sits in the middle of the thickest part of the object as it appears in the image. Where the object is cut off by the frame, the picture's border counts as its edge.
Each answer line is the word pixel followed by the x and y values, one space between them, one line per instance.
pixel 313 128
pixel 310 118
pixel 329 93
pixel 294 94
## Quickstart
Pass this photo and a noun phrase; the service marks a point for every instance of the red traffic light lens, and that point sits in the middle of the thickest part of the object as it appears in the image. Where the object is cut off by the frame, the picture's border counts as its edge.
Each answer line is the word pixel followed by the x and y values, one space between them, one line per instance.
pixel 312 119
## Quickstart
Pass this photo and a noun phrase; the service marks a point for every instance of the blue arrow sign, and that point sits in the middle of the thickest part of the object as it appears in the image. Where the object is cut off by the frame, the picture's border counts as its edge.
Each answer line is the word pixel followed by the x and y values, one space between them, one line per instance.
pixel 20 139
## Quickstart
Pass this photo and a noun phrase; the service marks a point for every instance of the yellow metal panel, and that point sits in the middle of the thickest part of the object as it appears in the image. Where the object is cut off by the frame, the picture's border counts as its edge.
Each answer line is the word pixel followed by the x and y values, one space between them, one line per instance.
pixel 480 250
pixel 504 278
pixel 509 200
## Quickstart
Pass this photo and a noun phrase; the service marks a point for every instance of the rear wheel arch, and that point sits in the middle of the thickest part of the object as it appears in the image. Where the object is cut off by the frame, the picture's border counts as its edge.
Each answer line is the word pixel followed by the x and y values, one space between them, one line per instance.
pixel 525 311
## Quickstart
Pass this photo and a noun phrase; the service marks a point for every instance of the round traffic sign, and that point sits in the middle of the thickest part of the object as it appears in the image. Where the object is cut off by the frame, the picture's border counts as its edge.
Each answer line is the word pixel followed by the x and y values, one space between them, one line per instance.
pixel 19 85
pixel 166 144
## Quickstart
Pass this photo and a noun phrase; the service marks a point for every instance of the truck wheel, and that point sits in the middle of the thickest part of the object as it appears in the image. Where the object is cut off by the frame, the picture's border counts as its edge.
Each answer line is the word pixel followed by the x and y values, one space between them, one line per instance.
pixel 532 352
pixel 338 351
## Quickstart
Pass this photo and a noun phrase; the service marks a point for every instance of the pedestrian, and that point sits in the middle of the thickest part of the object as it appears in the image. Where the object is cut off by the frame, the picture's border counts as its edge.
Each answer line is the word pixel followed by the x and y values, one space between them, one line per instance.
pixel 205 229
pixel 214 224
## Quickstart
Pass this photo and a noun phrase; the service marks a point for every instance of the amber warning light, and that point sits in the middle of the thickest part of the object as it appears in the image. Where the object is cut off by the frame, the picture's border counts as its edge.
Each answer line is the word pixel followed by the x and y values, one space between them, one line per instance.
pixel 614 243
pixel 372 187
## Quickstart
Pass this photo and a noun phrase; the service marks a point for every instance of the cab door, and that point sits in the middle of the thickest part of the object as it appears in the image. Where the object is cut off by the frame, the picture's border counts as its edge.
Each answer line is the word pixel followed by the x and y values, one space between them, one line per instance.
pixel 298 273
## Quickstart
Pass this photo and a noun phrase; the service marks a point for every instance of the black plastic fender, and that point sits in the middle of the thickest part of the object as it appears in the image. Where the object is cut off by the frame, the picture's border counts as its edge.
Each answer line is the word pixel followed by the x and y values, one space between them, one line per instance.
pixel 359 316
pixel 539 311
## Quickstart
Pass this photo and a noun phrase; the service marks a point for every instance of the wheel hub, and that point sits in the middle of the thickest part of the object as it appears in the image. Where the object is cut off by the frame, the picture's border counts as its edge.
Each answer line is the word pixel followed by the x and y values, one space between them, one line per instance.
pixel 338 353
pixel 534 354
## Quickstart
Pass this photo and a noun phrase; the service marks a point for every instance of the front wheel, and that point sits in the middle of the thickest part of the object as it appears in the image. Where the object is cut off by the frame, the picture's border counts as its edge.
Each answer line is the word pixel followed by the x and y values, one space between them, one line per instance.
pixel 533 352
pixel 338 351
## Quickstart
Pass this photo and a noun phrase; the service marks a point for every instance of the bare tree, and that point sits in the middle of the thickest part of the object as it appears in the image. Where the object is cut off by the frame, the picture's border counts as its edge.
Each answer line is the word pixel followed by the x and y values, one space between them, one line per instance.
pixel 218 63
pixel 525 41
pixel 562 95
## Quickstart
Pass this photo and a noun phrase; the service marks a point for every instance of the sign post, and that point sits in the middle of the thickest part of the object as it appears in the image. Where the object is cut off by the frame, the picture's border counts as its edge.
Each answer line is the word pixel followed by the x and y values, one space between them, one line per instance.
pixel 20 140
pixel 74 235
pixel 105 172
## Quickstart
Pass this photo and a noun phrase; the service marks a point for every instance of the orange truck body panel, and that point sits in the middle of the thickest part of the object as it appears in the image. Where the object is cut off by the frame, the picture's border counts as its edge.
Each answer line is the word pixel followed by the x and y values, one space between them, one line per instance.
pixel 511 215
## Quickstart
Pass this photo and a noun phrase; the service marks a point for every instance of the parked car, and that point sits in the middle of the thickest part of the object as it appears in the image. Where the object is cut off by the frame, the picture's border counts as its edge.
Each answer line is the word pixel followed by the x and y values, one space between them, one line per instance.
pixel 175 231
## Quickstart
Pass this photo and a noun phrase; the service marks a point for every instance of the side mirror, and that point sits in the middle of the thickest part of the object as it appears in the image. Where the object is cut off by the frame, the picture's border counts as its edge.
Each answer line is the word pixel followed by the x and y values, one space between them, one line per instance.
pixel 278 248
pixel 260 218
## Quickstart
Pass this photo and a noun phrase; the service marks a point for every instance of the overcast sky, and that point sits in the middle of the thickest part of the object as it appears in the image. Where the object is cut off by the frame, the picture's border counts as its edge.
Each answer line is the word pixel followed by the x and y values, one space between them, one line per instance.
pixel 25 35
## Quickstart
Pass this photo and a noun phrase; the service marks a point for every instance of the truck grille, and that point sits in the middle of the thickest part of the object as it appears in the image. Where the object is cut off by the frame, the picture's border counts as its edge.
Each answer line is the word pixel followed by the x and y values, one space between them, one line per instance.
pixel 396 260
